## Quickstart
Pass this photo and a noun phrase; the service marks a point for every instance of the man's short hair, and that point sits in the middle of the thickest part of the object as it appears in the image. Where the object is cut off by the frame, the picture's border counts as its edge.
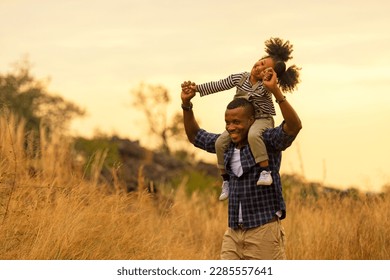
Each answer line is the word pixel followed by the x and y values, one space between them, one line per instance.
pixel 242 102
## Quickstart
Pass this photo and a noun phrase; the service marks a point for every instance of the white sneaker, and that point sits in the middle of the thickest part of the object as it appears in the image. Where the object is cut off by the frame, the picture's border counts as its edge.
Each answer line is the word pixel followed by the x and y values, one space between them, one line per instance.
pixel 225 191
pixel 265 178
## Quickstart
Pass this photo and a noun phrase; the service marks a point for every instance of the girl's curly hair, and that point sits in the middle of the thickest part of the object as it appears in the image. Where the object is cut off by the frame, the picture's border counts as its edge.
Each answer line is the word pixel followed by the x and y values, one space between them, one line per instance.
pixel 280 52
pixel 275 47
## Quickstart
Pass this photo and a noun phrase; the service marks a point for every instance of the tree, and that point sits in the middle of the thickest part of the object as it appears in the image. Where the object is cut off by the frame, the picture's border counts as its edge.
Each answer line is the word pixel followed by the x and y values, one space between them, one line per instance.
pixel 153 101
pixel 26 97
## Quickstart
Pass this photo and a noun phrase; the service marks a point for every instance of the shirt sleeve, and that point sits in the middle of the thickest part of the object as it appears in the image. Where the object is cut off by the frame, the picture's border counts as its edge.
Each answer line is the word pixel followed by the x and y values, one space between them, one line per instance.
pixel 221 85
pixel 206 141
pixel 277 140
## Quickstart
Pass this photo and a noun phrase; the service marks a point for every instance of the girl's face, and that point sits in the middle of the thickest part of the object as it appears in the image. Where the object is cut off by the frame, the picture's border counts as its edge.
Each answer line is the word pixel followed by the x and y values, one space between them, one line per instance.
pixel 259 68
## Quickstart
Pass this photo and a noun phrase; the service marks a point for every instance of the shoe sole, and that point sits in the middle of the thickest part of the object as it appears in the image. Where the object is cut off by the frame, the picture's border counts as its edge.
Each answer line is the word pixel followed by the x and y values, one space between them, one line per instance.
pixel 264 183
pixel 223 198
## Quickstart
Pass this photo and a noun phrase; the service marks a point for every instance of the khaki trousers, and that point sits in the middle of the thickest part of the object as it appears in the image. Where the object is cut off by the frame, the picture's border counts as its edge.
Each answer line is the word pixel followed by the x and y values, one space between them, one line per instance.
pixel 266 242
pixel 255 139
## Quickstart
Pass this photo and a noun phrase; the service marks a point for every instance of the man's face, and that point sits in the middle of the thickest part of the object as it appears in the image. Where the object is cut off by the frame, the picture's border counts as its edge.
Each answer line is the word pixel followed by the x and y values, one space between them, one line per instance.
pixel 238 122
pixel 258 69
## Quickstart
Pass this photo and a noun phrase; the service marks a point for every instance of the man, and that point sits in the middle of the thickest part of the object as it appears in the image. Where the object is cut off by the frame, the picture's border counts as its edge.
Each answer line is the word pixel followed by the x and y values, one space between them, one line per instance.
pixel 254 212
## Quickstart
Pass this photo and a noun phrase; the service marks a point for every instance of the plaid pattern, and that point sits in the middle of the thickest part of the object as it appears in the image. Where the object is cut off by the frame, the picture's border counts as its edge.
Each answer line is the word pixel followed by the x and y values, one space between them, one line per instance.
pixel 258 95
pixel 259 203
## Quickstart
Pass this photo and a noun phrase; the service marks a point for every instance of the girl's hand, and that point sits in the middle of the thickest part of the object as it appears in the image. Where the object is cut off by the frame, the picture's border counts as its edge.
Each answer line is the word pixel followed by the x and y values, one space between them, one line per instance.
pixel 188 91
pixel 267 74
pixel 270 80
pixel 188 86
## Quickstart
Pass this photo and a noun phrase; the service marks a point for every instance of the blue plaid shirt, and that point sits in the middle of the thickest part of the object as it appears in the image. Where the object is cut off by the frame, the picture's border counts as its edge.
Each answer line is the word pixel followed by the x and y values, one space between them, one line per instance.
pixel 259 203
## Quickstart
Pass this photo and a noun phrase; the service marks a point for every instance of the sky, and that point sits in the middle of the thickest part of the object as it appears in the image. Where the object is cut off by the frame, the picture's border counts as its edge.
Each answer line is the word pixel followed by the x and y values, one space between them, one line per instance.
pixel 94 52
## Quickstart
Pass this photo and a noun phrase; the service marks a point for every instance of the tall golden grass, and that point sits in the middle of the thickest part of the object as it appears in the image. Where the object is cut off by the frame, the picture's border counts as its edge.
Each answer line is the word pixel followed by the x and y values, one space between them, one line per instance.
pixel 50 210
pixel 339 228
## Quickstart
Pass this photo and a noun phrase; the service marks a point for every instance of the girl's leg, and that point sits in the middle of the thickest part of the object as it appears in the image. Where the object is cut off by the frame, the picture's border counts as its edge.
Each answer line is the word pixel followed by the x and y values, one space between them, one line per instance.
pixel 259 150
pixel 220 146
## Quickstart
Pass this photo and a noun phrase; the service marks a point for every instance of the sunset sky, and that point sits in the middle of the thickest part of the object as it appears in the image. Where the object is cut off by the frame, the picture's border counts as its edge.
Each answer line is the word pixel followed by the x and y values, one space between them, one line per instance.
pixel 96 51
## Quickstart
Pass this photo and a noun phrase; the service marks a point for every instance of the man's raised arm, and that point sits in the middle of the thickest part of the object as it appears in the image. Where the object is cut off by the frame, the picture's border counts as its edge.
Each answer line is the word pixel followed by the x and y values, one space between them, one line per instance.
pixel 190 124
pixel 292 123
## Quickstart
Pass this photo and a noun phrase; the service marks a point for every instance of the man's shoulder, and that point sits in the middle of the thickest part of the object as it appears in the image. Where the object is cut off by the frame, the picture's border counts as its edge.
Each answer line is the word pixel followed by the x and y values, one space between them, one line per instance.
pixel 206 140
pixel 202 133
pixel 277 139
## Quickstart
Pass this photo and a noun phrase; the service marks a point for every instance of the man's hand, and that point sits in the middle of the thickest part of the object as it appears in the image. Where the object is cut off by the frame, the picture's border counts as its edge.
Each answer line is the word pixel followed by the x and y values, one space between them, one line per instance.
pixel 191 127
pixel 188 91
pixel 270 80
pixel 292 124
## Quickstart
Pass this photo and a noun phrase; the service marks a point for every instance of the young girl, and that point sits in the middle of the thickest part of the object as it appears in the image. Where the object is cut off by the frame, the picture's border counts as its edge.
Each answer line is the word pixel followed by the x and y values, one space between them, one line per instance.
pixel 250 86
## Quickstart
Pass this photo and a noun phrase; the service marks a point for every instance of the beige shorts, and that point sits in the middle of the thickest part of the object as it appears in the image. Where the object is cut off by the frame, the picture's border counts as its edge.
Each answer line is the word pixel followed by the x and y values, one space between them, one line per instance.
pixel 266 242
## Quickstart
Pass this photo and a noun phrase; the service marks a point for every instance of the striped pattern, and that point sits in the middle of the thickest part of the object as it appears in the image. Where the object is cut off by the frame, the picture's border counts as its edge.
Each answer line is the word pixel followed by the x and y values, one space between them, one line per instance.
pixel 258 95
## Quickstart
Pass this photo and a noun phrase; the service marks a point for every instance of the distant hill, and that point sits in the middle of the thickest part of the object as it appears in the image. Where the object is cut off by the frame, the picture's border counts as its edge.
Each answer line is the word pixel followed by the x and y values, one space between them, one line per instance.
pixel 137 161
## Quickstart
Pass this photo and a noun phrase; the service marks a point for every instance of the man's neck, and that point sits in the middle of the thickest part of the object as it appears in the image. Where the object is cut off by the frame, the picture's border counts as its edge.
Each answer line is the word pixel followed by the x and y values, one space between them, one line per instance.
pixel 241 145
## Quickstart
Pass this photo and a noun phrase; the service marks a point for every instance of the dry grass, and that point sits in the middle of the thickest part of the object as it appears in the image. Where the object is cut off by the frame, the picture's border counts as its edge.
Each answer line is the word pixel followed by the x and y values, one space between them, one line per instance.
pixel 48 210
pixel 337 228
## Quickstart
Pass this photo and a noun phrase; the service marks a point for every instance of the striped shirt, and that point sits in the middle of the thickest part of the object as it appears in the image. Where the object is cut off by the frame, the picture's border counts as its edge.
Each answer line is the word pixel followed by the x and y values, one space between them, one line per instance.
pixel 257 93
pixel 259 204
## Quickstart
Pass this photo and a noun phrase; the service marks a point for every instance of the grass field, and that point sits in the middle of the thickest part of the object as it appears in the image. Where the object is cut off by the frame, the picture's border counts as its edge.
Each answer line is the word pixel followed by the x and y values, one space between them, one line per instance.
pixel 49 210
